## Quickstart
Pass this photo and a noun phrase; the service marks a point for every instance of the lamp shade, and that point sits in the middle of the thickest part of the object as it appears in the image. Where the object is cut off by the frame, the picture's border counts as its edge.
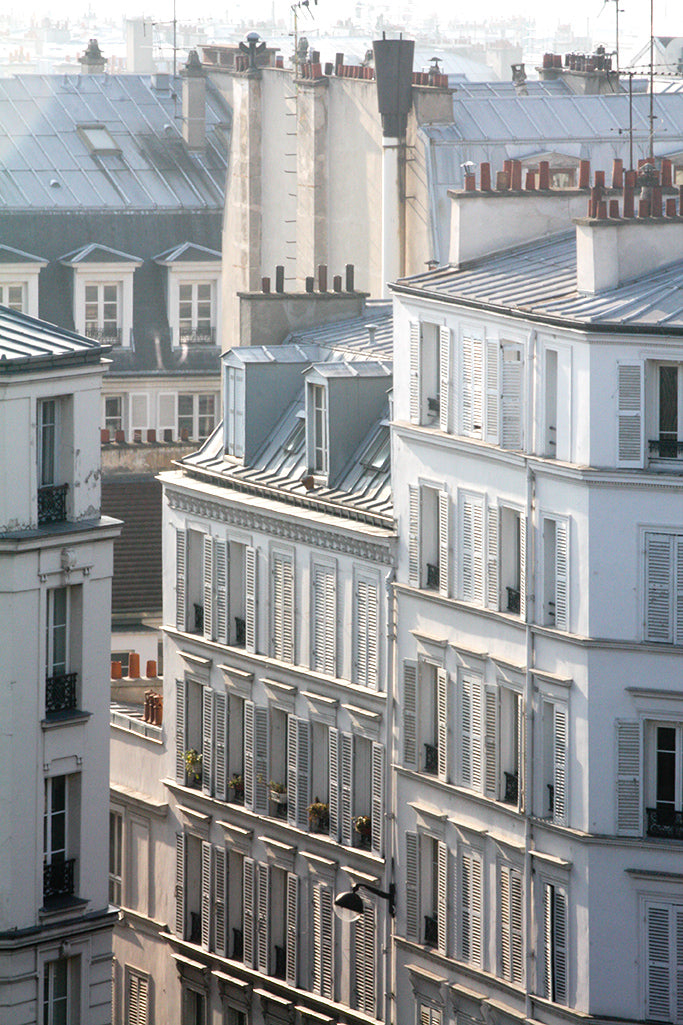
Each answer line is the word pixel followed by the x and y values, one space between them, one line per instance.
pixel 348 906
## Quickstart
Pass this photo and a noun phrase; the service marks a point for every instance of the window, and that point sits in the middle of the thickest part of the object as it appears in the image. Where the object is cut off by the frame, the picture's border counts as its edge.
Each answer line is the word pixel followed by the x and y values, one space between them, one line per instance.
pixel 13 295
pixel 194 1007
pixel 366 632
pixel 319 445
pixel 115 857
pixel 668 401
pixel 555 943
pixel 62 617
pixel 663 757
pixel 98 138
pixel 137 997
pixel 512 561
pixel 430 356
pixel 113 413
pixel 204 605
pixel 324 619
pixel 664 588
pixel 234 411
pixel 428 1015
pixel 511 945
pixel 195 313
pixel 52 460
pixel 58 867
pixel 555 572
pixel 279 904
pixel 102 314
pixel 48 425
pixel 57 630
pixel 429 538
pixel 60 1000
pixel 283 607
pixel 471 908
pixel 196 416
pixel 425 719
pixel 511 742
pixel 664 981
pixel 553 798
pixel 427 891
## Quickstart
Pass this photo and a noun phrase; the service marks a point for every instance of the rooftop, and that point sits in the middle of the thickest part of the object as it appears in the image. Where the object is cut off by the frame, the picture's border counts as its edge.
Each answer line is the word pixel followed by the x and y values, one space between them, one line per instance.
pixel 25 343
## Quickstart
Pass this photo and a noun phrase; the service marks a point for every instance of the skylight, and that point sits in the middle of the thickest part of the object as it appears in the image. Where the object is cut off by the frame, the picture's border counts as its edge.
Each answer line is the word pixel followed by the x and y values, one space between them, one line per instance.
pixel 98 139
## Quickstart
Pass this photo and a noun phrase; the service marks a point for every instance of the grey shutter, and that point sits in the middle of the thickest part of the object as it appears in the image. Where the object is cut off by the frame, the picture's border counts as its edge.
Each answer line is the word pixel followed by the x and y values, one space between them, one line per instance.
pixel 206 894
pixel 658 990
pixel 346 774
pixel 505 923
pixel 377 801
pixel 559 946
pixel 323 933
pixel 248 894
pixel 220 716
pixel 366 629
pixel 412 887
pixel 521 753
pixel 548 950
pixel 219 892
pixel 442 724
pixel 292 942
pixel 261 761
pixel 283 607
pixel 511 401
pixel 414 369
pixel 630 414
pixel 445 379
pixel 414 535
pixel 263 919
pixel 180 885
pixel 491 742
pixel 444 544
pixel 560 764
pixel 516 927
pixel 410 715
pixel 207 741
pixel 298 771
pixel 208 586
pixel 471 732
pixel 629 805
pixel 249 762
pixel 562 575
pixel 181 579
pixel 442 897
pixel 221 596
pixel 333 763
pixel 492 576
pixel 250 598
pixel 471 895
pixel 331 622
pixel 364 950
pixel 522 567
pixel 492 389
pixel 472 551
pixel 658 587
pixel 180 738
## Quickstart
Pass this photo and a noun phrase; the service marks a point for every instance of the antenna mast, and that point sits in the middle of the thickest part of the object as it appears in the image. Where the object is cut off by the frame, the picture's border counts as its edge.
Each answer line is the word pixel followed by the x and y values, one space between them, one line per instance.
pixel 652 82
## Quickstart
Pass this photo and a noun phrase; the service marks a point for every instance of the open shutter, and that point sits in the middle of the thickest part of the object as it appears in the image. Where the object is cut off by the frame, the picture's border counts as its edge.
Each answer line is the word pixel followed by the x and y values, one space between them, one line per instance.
pixel 444 543
pixel 445 378
pixel 412 887
pixel 298 772
pixel 492 389
pixel 658 587
pixel 180 739
pixel 522 567
pixel 410 715
pixel 562 575
pixel 325 620
pixel 516 927
pixel 492 577
pixel 206 894
pixel 283 607
pixel 331 622
pixel 521 753
pixel 560 764
pixel 471 732
pixel 442 897
pixel 442 724
pixel 346 773
pixel 377 800
pixel 220 718
pixel 249 763
pixel 207 740
pixel 292 945
pixel 221 596
pixel 559 946
pixel 261 761
pixel 505 923
pixel 181 573
pixel 473 550
pixel 323 945
pixel 414 535
pixel 180 885
pixel 333 763
pixel 367 633
pixel 414 371
pixel 678 596
pixel 167 416
pixel 511 401
pixel 629 806
pixel 248 874
pixel 365 958
pixel 471 909
pixel 658 998
pixel 208 587
pixel 630 414
pixel 472 406
pixel 491 742
pixel 262 925
pixel 219 891
pixel 250 598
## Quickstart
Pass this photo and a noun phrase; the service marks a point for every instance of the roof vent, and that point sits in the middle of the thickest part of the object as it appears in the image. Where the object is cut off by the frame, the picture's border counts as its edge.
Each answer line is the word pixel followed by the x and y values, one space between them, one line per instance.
pixel 55 184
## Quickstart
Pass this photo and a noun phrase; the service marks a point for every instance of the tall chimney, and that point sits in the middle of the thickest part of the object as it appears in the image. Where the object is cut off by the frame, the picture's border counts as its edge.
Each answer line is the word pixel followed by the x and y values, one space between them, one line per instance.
pixel 194 102
pixel 92 62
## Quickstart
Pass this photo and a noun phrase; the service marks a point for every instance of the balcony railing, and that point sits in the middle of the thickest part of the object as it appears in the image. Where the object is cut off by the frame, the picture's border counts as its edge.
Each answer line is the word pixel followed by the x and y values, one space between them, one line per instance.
pixel 237 944
pixel 52 503
pixel 205 336
pixel 195 927
pixel 665 823
pixel 58 879
pixel 60 693
pixel 432 576
pixel 431 759
pixel 280 970
pixel 240 632
pixel 513 599
pixel 511 788
pixel 107 335
pixel 198 619
pixel 431 930
pixel 433 406
pixel 665 448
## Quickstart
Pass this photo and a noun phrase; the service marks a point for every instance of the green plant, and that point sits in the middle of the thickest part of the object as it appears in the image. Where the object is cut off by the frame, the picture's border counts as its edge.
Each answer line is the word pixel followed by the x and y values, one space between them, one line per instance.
pixel 363 825
pixel 193 764
pixel 277 788
pixel 236 783
pixel 319 815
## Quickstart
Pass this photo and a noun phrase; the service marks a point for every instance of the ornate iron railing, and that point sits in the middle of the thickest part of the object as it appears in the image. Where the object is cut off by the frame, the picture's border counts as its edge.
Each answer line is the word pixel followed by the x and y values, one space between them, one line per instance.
pixel 511 788
pixel 665 823
pixel 52 503
pixel 58 879
pixel 666 448
pixel 431 930
pixel 108 335
pixel 513 599
pixel 60 693
pixel 431 759
pixel 240 632
pixel 204 337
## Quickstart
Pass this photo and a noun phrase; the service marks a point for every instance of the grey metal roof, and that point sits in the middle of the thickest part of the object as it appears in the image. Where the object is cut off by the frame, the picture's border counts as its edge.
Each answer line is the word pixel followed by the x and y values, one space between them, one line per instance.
pixel 369 336
pixel 25 342
pixel 539 280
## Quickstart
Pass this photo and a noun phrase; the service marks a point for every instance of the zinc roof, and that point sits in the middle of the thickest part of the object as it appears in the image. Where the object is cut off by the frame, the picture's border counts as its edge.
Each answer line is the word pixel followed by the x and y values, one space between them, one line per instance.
pixel 25 342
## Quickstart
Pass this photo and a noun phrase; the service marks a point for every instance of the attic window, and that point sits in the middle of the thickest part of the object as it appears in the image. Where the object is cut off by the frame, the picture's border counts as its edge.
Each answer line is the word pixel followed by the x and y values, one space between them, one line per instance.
pixel 377 455
pixel 295 439
pixel 98 139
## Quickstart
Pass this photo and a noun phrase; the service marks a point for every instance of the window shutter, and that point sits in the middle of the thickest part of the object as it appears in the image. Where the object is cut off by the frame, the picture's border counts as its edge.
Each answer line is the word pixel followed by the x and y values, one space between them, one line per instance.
pixel 180 549
pixel 678 591
pixel 548 941
pixel 658 587
pixel 560 764
pixel 250 598
pixel 492 389
pixel 168 417
pixel 471 909
pixel 298 772
pixel 221 598
pixel 492 584
pixel 521 753
pixel 220 716
pixel 473 550
pixel 414 535
pixel 630 414
pixel 629 806
pixel 522 567
pixel 491 742
pixel 445 379
pixel 325 619
pixel 283 608
pixel 505 923
pixel 410 715
pixel 220 888
pixel 180 739
pixel 472 385
pixel 248 873
pixel 261 761
pixel 346 745
pixel 208 587
pixel 292 948
pixel 207 740
pixel 412 887
pixel 511 403
pixel 323 946
pixel 516 927
pixel 249 760
pixel 444 543
pixel 442 723
pixel 414 371
pixel 180 885
pixel 442 897
pixel 559 946
pixel 377 800
pixel 331 622
pixel 659 963
pixel 562 575
pixel 206 894
pixel 333 764
pixel 471 732
pixel 367 633
pixel 262 930
pixel 139 415
pixel 365 956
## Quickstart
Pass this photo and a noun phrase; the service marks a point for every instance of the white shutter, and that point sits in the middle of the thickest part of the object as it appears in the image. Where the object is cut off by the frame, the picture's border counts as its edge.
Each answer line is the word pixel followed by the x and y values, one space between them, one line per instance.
pixel 298 771
pixel 511 401
pixel 658 587
pixel 377 800
pixel 221 595
pixel 492 389
pixel 248 880
pixel 442 897
pixel 167 416
pixel 414 535
pixel 471 898
pixel 629 806
pixel 444 543
pixel 516 927
pixel 323 942
pixel 560 764
pixel 324 619
pixel 491 742
pixel 472 549
pixel 333 764
pixel 522 567
pixel 472 405
pixel 442 724
pixel 181 574
pixel 445 379
pixel 678 591
pixel 208 586
pixel 471 732
pixel 412 887
pixel 263 916
pixel 180 885
pixel 250 598
pixel 219 944
pixel 505 923
pixel 365 957
pixel 139 412
pixel 207 740
pixel 414 369
pixel 220 717
pixel 180 738
pixel 658 997
pixel 630 414
pixel 249 758
pixel 292 943
pixel 492 579
pixel 261 760
pixel 346 791
pixel 521 753
pixel 559 946
pixel 562 575
pixel 367 633
pixel 331 622
pixel 410 760
pixel 206 894
pixel 283 607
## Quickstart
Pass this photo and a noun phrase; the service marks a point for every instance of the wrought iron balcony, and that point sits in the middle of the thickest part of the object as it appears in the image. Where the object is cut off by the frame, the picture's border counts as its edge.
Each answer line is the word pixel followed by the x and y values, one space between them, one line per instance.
pixel 107 335
pixel 665 448
pixel 511 788
pixel 198 619
pixel 431 759
pixel 433 406
pixel 52 503
pixel 665 823
pixel 240 632
pixel 513 599
pixel 60 693
pixel 58 879
pixel 280 969
pixel 431 930
pixel 432 576
pixel 205 336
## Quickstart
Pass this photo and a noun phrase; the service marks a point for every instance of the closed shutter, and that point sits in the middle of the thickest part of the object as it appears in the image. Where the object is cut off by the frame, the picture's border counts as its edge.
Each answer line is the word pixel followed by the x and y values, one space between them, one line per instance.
pixel 206 894
pixel 298 771
pixel 412 887
pixel 249 762
pixel 471 897
pixel 180 885
pixel 283 607
pixel 250 598
pixel 137 998
pixel 443 753
pixel 629 806
pixel 442 897
pixel 180 738
pixel 522 567
pixel 630 414
pixel 220 716
pixel 248 881
pixel 168 416
pixel 367 633
pixel 365 958
pixel 658 587
pixel 181 573
pixel 221 595
pixel 559 939
pixel 492 579
pixel 410 715
pixel 346 792
pixel 471 732
pixel 333 764
pixel 444 544
pixel 516 927
pixel 414 535
pixel 445 379
pixel 505 923
pixel 324 620
pixel 207 740
pixel 473 550
pixel 678 591
pixel 292 946
pixel 323 943
pixel 261 761
pixel 664 983
pixel 560 764
pixel 414 371
pixel 492 389
pixel 472 406
pixel 263 919
pixel 220 945
pixel 562 575
pixel 491 742
pixel 208 586
pixel 511 400
pixel 377 800
pixel 139 412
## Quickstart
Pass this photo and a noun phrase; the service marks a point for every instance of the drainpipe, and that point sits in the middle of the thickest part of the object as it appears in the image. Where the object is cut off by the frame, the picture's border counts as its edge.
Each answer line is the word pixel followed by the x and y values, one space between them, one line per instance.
pixel 530 578
pixel 392 198
pixel 390 802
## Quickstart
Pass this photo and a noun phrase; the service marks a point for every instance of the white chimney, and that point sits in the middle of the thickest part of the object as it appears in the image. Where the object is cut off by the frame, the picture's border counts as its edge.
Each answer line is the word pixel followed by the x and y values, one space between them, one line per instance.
pixel 610 252
pixel 194 102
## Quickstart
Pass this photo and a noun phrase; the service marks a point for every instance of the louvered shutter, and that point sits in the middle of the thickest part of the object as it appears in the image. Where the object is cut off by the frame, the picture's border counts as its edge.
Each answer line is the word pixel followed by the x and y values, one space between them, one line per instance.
pixel 472 406
pixel 492 578
pixel 659 963
pixel 442 724
pixel 548 950
pixel 180 738
pixel 630 414
pixel 445 379
pixel 167 415
pixel 522 567
pixel 505 923
pixel 263 919
pixel 414 371
pixel 221 595
pixel 365 958
pixel 559 946
pixel 414 535
pixel 629 806
pixel 410 715
pixel 491 742
pixel 137 998
pixel 250 598
pixel 516 927
pixel 261 761
pixel 181 574
pixel 317 942
pixel 442 897
pixel 521 753
pixel 367 633
pixel 323 942
pixel 346 790
pixel 412 887
pixel 560 764
pixel 444 544
pixel 283 607
pixel 658 587
pixel 333 765
pixel 471 897
pixel 292 946
pixel 561 575
pixel 139 413
pixel 325 620
pixel 207 740
pixel 180 885
pixel 206 894
pixel 472 550
pixel 298 772
pixel 249 759
pixel 377 800
pixel 208 586
pixel 678 591
pixel 248 880
pixel 220 716
pixel 492 389
pixel 219 945
pixel 471 732
pixel 511 400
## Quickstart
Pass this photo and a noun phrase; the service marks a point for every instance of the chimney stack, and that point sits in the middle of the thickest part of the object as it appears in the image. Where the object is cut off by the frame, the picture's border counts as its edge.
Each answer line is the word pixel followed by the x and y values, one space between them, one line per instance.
pixel 92 62
pixel 194 102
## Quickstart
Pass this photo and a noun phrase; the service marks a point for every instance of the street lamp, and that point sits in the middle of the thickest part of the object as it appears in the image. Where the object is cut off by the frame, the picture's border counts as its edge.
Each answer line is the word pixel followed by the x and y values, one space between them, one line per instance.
pixel 349 905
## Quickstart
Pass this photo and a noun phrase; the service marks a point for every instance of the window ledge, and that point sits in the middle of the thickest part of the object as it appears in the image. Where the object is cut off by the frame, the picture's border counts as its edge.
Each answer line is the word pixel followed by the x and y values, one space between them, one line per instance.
pixel 63 906
pixel 73 717
pixel 129 719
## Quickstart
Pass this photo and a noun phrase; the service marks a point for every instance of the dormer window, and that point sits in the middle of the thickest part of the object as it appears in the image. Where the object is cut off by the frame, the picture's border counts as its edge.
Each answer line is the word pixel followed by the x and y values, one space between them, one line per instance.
pixel 103 293
pixel 19 272
pixel 102 312
pixel 192 293
pixel 196 313
pixel 14 296
pixel 319 441
pixel 234 412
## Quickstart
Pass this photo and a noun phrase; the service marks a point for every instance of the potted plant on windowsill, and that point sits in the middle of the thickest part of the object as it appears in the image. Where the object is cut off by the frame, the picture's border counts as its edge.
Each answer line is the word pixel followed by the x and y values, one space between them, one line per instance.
pixel 278 792
pixel 363 826
pixel 193 767
pixel 319 816
pixel 236 787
